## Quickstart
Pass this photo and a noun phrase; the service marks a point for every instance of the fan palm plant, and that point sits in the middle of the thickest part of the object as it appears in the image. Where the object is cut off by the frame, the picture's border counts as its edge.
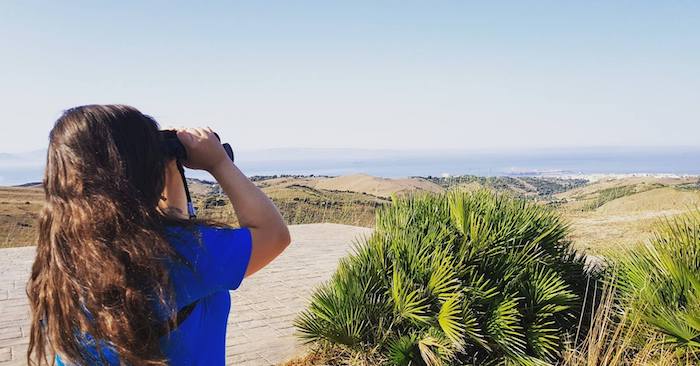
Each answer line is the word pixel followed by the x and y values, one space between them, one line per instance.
pixel 660 284
pixel 456 278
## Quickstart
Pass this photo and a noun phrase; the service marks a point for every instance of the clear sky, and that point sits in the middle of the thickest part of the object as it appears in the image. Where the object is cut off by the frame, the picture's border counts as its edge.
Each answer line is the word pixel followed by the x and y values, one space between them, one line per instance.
pixel 362 74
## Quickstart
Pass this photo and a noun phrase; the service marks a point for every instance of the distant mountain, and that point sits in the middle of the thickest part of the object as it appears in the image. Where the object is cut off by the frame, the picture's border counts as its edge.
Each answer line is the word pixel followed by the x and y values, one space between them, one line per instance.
pixel 18 168
pixel 30 185
pixel 34 157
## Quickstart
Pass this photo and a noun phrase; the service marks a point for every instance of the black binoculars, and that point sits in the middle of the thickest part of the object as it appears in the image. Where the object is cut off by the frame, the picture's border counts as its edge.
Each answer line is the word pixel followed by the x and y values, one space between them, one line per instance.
pixel 174 148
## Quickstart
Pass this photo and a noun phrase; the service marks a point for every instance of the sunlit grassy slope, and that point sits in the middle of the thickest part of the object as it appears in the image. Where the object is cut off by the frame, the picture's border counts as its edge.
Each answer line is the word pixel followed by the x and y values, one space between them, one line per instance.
pixel 19 210
pixel 607 215
pixel 299 202
pixel 604 215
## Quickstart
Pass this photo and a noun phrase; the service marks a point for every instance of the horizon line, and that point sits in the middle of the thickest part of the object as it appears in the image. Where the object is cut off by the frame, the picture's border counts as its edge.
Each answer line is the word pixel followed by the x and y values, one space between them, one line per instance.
pixel 446 149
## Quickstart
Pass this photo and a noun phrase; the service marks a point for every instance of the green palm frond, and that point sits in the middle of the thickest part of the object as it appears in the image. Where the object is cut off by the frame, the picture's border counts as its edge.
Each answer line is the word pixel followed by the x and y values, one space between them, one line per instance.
pixel 435 349
pixel 503 326
pixel 443 282
pixel 403 351
pixel 408 303
pixel 543 337
pixel 472 330
pixel 330 320
pixel 451 321
pixel 547 288
pixel 524 361
pixel 677 327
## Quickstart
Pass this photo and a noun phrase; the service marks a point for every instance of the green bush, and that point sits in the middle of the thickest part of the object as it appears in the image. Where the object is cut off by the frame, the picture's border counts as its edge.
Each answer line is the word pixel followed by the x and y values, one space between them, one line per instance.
pixel 659 283
pixel 458 278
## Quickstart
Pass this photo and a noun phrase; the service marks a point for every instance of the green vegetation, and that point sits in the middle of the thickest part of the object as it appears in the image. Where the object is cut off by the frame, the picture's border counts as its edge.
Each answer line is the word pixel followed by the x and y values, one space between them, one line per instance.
pixel 551 186
pixel 660 283
pixel 462 278
pixel 694 186
pixel 456 278
pixel 609 194
pixel 542 187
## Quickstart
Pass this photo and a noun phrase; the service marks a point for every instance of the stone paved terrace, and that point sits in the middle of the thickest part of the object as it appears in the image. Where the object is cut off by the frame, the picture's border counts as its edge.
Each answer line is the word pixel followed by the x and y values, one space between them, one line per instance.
pixel 260 328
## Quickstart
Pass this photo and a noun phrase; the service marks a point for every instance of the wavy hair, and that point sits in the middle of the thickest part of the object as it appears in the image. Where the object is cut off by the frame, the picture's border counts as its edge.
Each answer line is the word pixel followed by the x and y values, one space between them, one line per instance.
pixel 99 269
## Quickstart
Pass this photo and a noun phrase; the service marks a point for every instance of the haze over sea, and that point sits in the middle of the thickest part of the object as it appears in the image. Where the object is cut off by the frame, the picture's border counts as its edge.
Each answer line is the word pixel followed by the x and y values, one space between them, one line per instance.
pixel 28 167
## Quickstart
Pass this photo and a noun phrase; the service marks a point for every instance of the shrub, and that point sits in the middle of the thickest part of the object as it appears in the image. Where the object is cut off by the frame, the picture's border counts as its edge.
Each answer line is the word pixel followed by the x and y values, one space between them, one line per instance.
pixel 660 284
pixel 457 278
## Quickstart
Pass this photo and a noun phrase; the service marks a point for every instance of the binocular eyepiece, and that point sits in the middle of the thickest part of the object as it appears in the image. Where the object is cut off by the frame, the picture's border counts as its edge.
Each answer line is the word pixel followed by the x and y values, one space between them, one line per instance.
pixel 174 148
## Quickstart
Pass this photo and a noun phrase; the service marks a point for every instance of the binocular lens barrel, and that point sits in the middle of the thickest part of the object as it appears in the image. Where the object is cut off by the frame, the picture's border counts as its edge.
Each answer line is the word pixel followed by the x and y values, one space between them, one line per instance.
pixel 174 148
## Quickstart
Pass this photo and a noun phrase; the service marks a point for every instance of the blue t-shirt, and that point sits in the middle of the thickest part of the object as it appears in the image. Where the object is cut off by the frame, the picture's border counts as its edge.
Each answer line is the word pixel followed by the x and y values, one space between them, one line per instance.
pixel 217 264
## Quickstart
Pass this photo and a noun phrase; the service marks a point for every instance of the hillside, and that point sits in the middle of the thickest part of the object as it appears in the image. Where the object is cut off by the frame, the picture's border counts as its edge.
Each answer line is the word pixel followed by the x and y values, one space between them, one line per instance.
pixel 609 214
pixel 299 201
pixel 604 215
pixel 382 187
pixel 530 187
pixel 20 208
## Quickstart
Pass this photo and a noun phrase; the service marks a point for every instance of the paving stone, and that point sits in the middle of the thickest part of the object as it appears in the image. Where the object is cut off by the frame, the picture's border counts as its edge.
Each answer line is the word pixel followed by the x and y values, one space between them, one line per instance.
pixel 11 332
pixel 5 354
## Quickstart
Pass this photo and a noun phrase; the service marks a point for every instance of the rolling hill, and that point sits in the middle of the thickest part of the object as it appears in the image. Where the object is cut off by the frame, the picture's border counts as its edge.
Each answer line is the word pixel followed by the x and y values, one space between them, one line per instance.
pixel 604 215
pixel 610 214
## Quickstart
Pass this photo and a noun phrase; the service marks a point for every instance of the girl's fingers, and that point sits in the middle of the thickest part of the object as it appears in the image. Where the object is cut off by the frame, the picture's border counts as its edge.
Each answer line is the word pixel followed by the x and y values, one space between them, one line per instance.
pixel 184 136
pixel 194 134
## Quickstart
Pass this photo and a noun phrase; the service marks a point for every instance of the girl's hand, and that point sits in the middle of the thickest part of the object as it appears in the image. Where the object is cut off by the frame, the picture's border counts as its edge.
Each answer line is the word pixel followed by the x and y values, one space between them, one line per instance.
pixel 204 150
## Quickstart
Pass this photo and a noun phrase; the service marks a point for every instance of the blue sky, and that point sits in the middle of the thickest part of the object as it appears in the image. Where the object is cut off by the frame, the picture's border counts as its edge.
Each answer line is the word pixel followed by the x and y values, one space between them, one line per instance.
pixel 356 74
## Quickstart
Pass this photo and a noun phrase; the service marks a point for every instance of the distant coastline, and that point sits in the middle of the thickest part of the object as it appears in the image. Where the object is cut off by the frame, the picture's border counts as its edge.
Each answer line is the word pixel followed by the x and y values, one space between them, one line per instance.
pixel 588 163
pixel 590 178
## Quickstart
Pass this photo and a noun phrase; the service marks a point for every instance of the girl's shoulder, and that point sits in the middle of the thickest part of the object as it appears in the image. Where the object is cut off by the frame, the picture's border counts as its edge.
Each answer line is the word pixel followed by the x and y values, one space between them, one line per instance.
pixel 204 234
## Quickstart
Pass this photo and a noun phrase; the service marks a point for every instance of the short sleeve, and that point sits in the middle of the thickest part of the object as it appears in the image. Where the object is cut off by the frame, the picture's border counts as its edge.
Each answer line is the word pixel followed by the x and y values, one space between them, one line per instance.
pixel 224 258
pixel 214 259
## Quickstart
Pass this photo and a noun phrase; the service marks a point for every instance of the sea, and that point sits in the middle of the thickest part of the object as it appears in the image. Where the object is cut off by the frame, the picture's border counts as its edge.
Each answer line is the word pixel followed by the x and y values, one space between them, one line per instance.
pixel 16 169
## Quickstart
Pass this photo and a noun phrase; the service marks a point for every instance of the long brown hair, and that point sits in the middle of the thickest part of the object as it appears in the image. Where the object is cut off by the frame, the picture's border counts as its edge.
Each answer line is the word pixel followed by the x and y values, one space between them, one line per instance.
pixel 99 267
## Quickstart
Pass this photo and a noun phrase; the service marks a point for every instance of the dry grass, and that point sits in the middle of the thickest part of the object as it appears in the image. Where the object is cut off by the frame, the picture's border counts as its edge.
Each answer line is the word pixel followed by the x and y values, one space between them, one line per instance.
pixel 335 356
pixel 301 204
pixel 597 233
pixel 20 210
pixel 615 338
pixel 641 184
pixel 601 224
pixel 376 186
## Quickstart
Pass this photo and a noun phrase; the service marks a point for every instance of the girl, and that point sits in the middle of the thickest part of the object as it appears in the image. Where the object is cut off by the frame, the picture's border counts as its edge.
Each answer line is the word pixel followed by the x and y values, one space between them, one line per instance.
pixel 121 275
